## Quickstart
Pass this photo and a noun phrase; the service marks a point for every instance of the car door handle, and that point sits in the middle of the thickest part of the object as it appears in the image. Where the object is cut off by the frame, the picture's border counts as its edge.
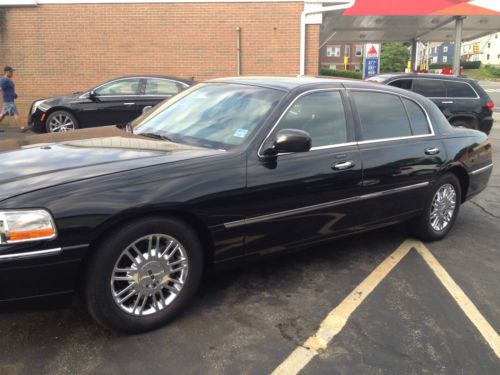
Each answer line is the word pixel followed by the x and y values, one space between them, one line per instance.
pixel 128 103
pixel 343 165
pixel 447 102
pixel 432 151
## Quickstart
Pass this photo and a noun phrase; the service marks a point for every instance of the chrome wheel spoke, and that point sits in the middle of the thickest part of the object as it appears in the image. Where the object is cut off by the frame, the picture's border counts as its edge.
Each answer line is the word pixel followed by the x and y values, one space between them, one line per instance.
pixel 149 274
pixel 443 207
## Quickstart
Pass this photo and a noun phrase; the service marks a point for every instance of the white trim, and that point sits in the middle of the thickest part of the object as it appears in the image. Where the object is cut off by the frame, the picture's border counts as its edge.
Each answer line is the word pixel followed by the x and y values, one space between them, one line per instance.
pixel 155 1
pixel 479 170
pixel 30 254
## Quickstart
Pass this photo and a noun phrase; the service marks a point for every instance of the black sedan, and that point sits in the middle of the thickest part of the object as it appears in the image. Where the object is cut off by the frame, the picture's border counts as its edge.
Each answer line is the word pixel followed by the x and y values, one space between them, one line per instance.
pixel 229 171
pixel 117 101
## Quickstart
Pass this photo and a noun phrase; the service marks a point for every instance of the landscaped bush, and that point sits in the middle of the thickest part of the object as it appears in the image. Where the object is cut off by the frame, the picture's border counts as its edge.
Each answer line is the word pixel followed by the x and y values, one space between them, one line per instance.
pixel 470 64
pixel 341 73
pixel 492 70
pixel 439 66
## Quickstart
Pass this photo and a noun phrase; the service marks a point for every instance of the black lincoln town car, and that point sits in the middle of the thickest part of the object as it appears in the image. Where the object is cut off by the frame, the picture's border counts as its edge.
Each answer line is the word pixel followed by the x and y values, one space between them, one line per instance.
pixel 228 171
pixel 117 101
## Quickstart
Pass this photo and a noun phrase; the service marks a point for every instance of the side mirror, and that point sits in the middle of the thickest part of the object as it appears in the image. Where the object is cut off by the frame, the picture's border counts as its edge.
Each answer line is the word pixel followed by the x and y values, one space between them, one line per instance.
pixel 146 109
pixel 289 140
pixel 92 94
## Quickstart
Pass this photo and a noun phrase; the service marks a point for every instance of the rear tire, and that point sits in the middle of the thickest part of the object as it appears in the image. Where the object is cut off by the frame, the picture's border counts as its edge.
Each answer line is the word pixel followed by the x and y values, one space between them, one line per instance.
pixel 140 265
pixel 440 211
pixel 61 121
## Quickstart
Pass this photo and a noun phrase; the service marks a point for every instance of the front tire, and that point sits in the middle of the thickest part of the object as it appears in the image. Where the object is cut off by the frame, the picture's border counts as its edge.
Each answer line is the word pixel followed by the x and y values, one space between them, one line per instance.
pixel 142 275
pixel 440 211
pixel 61 121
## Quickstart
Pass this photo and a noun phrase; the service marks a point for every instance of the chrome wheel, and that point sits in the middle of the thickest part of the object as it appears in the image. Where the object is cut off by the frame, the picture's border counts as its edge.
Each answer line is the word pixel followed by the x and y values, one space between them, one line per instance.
pixel 149 274
pixel 443 207
pixel 61 123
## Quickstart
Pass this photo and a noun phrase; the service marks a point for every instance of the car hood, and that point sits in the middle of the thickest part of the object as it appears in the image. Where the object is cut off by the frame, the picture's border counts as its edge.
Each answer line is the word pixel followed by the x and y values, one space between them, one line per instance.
pixel 54 101
pixel 41 161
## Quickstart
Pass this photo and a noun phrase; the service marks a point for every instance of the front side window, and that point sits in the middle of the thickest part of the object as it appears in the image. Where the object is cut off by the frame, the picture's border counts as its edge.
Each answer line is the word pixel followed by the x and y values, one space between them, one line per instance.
pixel 129 86
pixel 459 90
pixel 219 116
pixel 432 88
pixel 321 114
pixel 161 87
pixel 381 115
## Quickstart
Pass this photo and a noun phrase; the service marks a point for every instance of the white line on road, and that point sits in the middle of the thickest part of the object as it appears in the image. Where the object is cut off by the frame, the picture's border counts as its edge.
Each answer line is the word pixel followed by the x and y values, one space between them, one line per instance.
pixel 338 317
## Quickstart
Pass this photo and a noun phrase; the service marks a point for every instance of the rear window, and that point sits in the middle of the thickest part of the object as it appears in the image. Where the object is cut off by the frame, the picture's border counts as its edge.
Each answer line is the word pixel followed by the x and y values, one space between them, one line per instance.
pixel 381 115
pixel 432 88
pixel 459 90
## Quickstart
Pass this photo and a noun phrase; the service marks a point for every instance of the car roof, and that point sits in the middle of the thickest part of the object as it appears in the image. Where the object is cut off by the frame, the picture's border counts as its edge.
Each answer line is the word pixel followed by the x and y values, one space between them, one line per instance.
pixel 287 83
pixel 448 77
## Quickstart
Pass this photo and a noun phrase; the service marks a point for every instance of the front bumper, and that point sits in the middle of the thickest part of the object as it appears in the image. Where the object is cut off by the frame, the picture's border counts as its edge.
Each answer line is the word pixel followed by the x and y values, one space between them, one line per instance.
pixel 29 276
pixel 36 121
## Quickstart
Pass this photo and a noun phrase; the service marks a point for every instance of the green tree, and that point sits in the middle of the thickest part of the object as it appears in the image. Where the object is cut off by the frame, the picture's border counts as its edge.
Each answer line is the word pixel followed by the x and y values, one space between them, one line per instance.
pixel 394 57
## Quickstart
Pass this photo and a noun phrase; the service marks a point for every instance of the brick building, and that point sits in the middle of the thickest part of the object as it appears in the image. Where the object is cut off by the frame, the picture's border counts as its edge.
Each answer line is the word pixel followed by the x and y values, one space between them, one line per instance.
pixel 65 46
pixel 331 55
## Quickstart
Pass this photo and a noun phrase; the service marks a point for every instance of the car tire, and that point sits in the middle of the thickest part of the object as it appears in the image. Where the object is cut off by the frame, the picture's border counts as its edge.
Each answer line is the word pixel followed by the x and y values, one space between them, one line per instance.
pixel 147 273
pixel 440 211
pixel 61 121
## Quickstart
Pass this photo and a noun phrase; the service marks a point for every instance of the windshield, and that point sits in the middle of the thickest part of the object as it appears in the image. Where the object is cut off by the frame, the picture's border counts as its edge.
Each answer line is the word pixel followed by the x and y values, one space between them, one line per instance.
pixel 218 116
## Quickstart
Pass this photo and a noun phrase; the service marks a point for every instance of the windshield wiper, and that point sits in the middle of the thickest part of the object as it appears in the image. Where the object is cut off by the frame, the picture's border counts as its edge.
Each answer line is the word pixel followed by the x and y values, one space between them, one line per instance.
pixel 156 136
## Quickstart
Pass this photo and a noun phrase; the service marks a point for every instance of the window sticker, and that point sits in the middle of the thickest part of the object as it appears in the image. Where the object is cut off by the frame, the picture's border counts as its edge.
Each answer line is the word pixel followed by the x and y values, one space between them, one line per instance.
pixel 240 133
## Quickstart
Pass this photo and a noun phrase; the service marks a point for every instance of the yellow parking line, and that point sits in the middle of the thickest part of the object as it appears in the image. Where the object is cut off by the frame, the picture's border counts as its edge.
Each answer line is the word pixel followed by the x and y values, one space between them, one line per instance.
pixel 482 325
pixel 338 317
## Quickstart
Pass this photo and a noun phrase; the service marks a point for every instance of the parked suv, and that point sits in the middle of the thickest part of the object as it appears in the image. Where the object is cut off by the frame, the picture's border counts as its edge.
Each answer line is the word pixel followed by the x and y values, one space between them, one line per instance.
pixel 462 100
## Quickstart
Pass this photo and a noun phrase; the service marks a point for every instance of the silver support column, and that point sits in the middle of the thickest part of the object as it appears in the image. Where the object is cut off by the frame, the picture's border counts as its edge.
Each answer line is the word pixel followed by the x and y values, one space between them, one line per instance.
pixel 459 21
pixel 413 55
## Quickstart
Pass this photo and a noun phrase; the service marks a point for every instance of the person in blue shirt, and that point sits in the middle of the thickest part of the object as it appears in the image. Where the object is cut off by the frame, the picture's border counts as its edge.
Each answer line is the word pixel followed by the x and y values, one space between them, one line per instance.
pixel 9 95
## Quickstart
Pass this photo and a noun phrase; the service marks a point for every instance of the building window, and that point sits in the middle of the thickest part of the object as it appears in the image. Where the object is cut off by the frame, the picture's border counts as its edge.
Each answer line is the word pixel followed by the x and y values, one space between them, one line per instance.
pixel 445 49
pixel 488 56
pixel 445 59
pixel 347 51
pixel 333 51
pixel 434 59
pixel 489 45
pixel 333 66
pixel 357 68
pixel 359 50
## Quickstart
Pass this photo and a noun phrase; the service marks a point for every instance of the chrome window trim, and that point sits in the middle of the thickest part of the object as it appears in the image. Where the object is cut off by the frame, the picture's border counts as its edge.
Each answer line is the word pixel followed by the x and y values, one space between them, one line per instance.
pixel 437 79
pixel 479 170
pixel 85 94
pixel 429 122
pixel 277 215
pixel 332 89
pixel 31 254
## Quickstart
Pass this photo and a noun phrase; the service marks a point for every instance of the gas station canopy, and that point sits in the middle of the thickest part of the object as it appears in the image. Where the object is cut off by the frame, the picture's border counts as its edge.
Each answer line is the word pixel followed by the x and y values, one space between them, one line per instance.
pixel 405 20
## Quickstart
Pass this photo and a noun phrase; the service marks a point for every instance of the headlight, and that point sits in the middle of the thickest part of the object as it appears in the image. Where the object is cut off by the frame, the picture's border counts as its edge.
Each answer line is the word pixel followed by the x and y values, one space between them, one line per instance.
pixel 26 225
pixel 35 106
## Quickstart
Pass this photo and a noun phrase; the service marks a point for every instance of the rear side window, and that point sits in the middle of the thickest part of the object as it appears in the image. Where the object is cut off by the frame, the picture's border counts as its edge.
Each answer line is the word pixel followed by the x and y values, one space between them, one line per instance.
pixel 402 83
pixel 459 90
pixel 381 115
pixel 161 87
pixel 432 88
pixel 418 120
pixel 321 114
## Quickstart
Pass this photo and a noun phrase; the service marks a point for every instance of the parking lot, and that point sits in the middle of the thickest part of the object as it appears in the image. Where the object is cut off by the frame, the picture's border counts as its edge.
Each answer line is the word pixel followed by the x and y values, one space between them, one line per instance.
pixel 401 318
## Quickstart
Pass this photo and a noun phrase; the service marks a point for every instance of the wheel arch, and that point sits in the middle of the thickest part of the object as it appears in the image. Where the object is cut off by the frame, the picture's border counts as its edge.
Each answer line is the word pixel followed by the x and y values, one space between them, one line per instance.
pixel 463 177
pixel 60 108
pixel 468 118
pixel 118 220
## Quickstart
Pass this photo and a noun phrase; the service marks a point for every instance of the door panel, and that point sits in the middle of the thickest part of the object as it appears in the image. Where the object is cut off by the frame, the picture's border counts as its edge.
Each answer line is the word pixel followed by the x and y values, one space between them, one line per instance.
pixel 297 199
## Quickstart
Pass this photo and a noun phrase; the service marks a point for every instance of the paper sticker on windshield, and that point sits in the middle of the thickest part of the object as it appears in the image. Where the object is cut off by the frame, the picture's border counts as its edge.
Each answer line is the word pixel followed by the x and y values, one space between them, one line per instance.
pixel 240 133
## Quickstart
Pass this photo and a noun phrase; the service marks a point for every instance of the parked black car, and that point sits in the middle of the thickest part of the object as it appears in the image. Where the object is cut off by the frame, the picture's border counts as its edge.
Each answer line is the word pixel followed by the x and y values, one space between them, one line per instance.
pixel 462 100
pixel 226 172
pixel 117 101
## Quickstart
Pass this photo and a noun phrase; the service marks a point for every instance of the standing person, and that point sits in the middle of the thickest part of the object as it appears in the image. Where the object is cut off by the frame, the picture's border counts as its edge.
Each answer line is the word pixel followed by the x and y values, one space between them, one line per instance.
pixel 9 95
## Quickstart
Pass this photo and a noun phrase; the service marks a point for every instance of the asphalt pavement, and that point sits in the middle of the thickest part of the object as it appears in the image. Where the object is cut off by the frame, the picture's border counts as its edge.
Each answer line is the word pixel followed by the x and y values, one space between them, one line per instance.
pixel 405 319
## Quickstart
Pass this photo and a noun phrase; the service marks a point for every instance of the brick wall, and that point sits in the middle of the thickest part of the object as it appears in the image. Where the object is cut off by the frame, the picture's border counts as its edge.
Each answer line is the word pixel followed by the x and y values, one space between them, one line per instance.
pixel 58 49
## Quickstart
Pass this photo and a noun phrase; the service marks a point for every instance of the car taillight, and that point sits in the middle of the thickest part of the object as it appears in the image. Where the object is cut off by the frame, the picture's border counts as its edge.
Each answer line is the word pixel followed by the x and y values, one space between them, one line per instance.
pixel 490 106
